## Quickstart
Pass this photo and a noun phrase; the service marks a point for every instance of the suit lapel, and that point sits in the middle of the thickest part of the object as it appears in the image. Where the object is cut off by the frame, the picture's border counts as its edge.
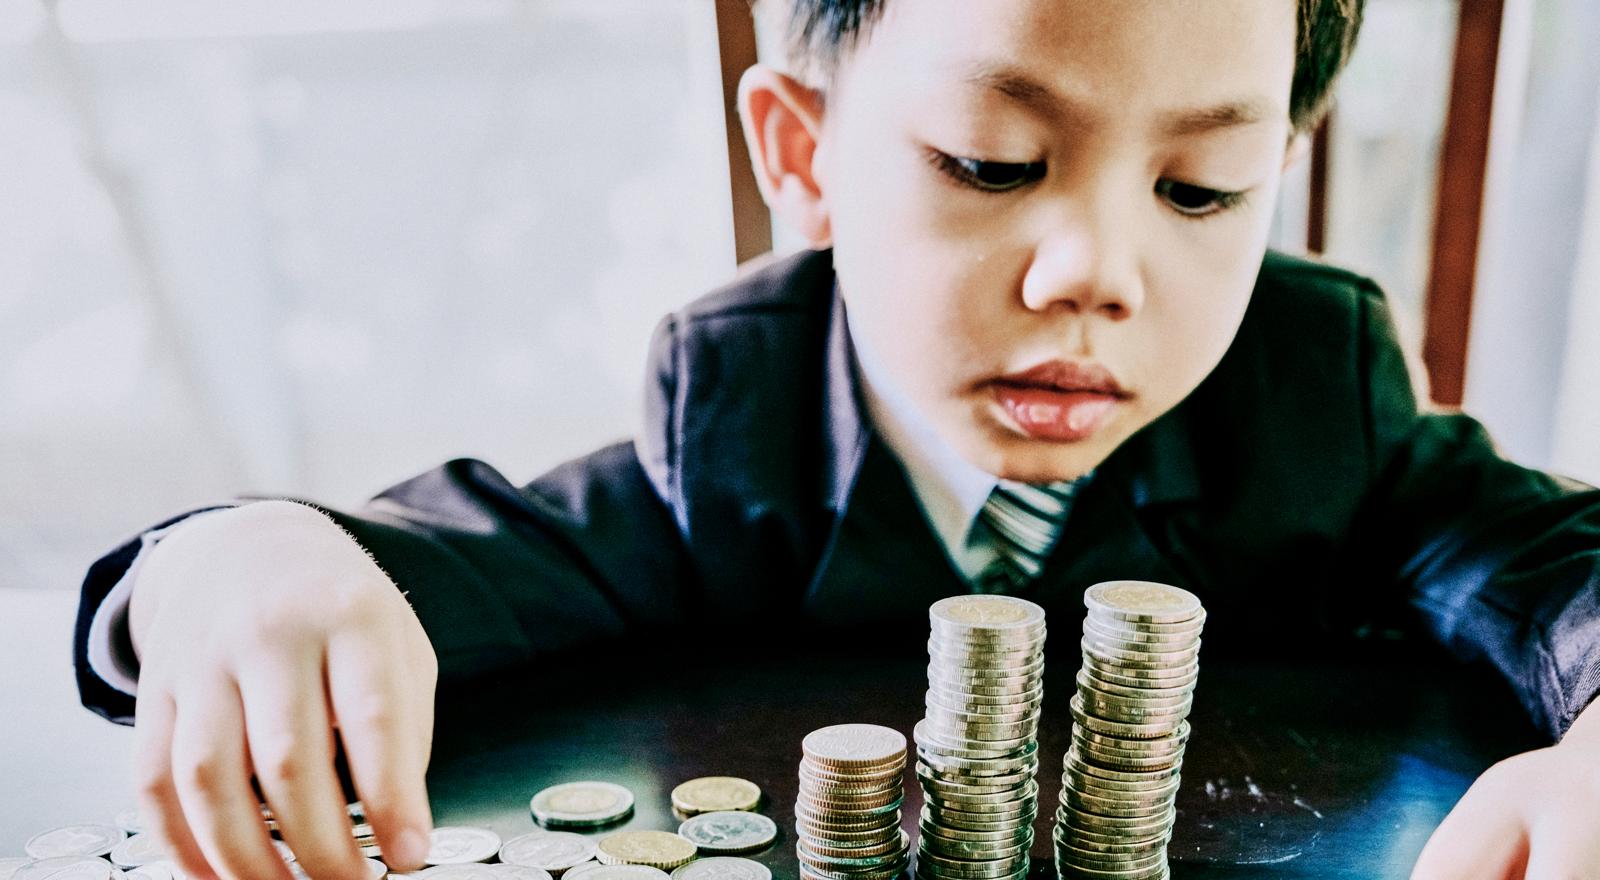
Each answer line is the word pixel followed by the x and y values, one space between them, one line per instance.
pixel 883 563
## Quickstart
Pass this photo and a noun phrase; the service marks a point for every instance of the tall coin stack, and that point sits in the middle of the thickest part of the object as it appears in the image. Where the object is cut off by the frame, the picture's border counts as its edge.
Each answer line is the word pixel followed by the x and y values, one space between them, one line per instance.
pixel 1141 644
pixel 847 815
pixel 977 745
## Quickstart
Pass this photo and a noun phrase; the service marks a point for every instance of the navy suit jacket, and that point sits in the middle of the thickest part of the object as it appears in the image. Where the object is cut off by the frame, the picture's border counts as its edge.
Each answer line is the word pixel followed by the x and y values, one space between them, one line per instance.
pixel 1298 490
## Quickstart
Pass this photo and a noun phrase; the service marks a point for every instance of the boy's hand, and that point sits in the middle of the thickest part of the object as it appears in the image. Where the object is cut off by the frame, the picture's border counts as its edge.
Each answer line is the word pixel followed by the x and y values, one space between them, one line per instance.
pixel 260 630
pixel 1532 815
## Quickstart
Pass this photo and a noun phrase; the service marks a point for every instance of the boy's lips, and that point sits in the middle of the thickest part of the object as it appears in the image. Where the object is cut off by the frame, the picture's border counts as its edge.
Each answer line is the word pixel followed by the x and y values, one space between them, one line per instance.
pixel 1059 400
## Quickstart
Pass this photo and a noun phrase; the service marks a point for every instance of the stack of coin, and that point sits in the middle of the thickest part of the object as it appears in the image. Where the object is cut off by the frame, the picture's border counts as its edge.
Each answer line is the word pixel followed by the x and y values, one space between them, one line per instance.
pixel 847 816
pixel 359 829
pixel 977 745
pixel 1141 643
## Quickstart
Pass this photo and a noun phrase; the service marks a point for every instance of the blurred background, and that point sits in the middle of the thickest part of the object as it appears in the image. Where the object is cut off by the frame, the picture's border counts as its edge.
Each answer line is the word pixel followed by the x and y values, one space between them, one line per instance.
pixel 314 248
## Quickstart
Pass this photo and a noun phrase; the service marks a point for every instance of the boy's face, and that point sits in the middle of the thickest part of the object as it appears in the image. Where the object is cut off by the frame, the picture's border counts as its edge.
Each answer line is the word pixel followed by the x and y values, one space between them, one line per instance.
pixel 1046 267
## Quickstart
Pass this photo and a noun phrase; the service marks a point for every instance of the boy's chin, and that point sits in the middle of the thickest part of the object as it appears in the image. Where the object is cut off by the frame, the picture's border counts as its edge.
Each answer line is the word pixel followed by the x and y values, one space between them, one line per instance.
pixel 1024 460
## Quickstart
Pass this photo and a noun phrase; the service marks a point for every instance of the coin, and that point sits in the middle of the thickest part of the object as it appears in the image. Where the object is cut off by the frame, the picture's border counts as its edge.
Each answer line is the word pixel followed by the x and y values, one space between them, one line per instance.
pixel 854 746
pixel 66 868
pixel 456 845
pixel 657 849
pixel 9 866
pixel 461 871
pixel 74 840
pixel 729 831
pixel 152 871
pixel 991 613
pixel 581 804
pixel 722 868
pixel 140 849
pixel 554 851
pixel 710 794
pixel 597 871
pixel 1142 602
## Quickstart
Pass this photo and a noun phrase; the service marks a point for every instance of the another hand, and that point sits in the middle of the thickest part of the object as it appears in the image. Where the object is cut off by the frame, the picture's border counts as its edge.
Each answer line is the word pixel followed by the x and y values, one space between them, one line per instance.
pixel 1532 815
pixel 260 630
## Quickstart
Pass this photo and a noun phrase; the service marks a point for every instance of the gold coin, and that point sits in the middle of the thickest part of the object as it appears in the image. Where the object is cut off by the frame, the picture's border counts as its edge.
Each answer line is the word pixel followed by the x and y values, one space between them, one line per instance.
pixel 1142 601
pixel 657 849
pixel 845 747
pixel 710 794
pixel 987 612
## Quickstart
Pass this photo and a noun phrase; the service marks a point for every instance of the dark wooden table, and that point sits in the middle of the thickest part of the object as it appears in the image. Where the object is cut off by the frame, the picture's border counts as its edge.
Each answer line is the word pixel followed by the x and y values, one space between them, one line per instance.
pixel 1295 769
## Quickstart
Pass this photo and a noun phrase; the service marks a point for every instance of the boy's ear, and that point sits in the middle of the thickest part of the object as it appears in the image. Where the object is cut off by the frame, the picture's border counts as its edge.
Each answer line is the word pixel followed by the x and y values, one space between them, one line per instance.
pixel 1299 148
pixel 782 125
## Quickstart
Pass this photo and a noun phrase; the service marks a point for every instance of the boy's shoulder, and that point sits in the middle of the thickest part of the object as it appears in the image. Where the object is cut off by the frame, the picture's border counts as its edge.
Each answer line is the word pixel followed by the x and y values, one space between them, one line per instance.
pixel 799 284
pixel 1310 281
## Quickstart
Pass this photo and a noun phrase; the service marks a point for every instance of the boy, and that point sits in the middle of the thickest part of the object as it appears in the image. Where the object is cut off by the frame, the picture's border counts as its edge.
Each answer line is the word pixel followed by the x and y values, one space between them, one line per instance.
pixel 1036 344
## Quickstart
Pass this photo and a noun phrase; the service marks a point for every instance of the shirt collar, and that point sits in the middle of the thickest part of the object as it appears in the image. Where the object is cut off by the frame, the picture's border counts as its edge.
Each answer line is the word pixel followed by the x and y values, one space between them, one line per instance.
pixel 951 489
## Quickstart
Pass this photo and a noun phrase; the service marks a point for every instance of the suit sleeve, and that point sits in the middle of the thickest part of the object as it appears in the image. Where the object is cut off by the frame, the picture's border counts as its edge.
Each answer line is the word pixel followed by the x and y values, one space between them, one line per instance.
pixel 498 575
pixel 1500 562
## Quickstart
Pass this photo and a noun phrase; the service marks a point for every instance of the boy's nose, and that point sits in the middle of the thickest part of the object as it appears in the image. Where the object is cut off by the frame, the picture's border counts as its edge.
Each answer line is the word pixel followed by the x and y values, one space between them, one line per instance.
pixel 1079 273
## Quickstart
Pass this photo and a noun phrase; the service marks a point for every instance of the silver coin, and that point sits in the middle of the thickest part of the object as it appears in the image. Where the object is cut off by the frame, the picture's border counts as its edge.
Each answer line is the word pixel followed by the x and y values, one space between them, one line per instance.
pixel 74 840
pixel 581 804
pixel 459 845
pixel 548 850
pixel 723 868
pixel 130 821
pixel 518 872
pixel 598 871
pixel 729 831
pixel 458 871
pixel 140 849
pixel 9 866
pixel 65 868
pixel 154 871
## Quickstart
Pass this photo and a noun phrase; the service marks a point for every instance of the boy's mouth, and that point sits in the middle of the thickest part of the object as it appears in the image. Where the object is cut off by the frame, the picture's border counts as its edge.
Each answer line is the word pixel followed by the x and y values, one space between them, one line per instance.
pixel 1059 400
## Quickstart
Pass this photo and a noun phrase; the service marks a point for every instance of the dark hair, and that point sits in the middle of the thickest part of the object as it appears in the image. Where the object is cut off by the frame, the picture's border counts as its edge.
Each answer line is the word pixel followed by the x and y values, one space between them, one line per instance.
pixel 819 34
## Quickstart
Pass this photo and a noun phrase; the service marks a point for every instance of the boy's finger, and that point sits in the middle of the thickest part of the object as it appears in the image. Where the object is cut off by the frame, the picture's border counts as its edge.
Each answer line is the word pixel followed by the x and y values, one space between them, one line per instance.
pixel 154 715
pixel 385 742
pixel 1479 840
pixel 212 772
pixel 291 750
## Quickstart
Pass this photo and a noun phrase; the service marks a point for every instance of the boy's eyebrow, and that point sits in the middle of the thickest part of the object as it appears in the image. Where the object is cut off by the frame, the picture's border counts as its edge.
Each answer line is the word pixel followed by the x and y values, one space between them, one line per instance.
pixel 1019 86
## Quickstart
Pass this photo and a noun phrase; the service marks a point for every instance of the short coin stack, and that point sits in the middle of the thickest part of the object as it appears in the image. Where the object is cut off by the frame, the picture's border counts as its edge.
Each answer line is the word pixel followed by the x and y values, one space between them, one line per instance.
pixel 359 829
pixel 847 815
pixel 977 745
pixel 1141 644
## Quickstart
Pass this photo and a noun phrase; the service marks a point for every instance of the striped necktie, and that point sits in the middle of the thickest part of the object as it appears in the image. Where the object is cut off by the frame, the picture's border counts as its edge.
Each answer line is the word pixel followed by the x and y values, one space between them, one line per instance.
pixel 1024 520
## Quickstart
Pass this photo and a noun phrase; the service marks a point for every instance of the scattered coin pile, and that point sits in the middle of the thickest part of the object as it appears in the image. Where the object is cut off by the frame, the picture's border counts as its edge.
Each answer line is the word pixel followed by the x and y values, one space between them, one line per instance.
pixel 717 828
pixel 847 815
pixel 1141 644
pixel 977 744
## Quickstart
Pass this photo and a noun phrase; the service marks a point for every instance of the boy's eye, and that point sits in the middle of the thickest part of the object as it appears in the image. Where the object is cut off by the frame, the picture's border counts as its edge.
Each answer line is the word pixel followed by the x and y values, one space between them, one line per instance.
pixel 987 176
pixel 1196 201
